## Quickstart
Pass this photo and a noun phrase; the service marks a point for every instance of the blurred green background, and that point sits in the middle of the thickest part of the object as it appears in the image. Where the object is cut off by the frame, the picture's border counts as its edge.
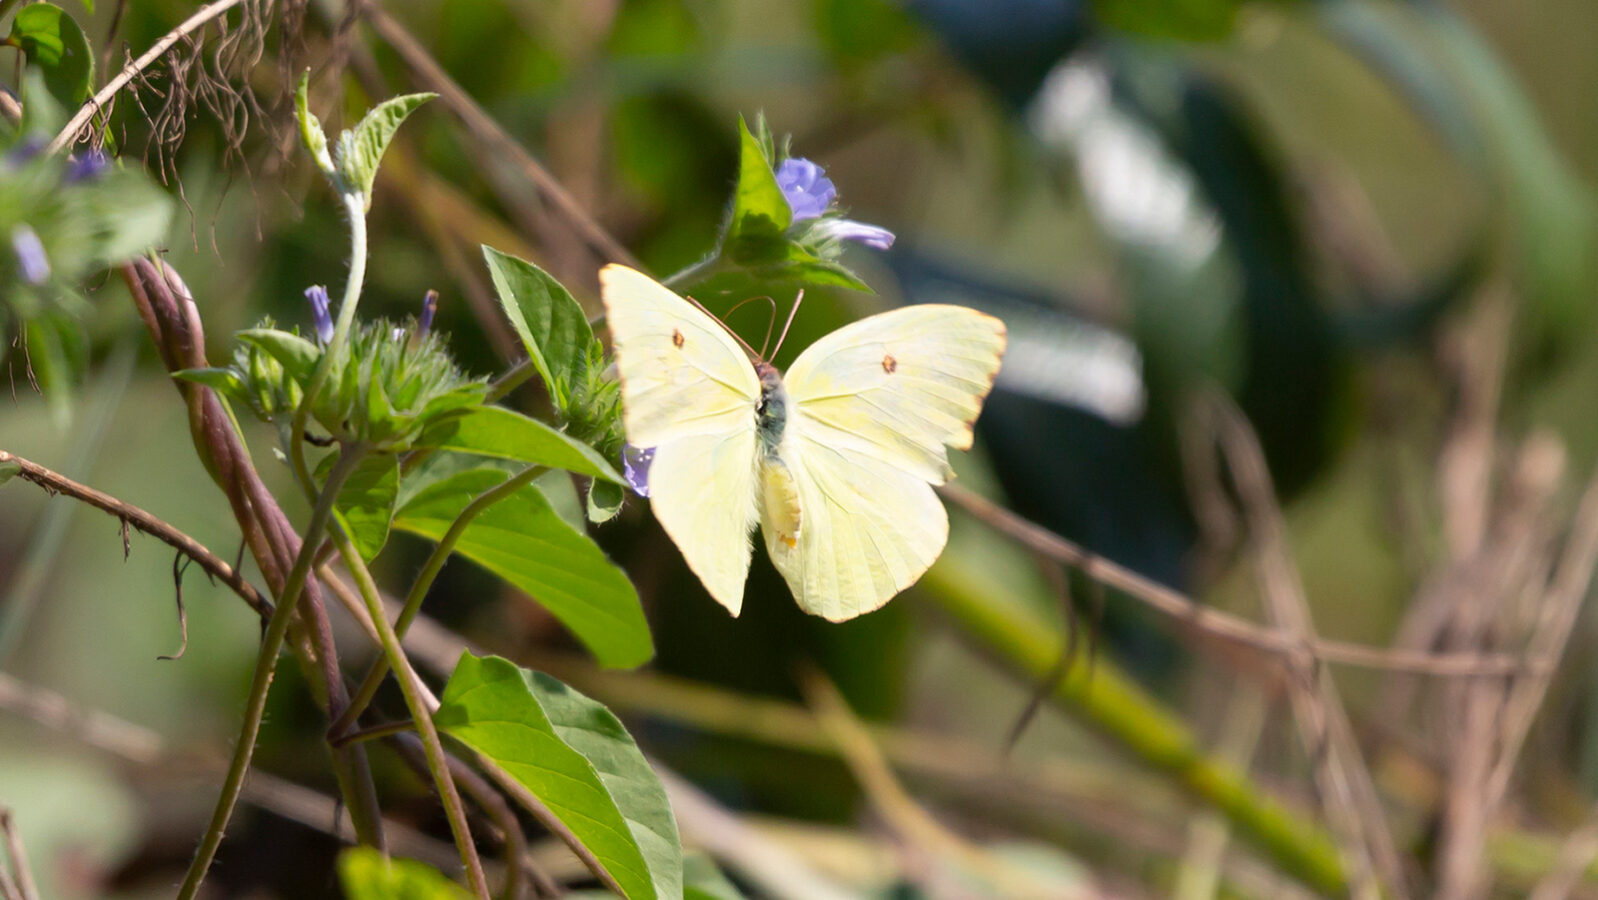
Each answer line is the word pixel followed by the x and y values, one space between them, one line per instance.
pixel 1298 203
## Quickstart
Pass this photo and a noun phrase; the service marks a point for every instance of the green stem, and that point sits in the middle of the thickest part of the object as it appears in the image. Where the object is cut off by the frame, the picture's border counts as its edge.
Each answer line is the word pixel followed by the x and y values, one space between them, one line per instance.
pixel 265 666
pixel 1103 698
pixel 437 761
pixel 695 273
pixel 419 588
pixel 355 208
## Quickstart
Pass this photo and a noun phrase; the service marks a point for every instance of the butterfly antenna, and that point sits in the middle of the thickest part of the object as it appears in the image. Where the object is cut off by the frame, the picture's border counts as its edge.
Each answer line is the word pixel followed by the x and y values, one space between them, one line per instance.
pixel 770 322
pixel 788 324
pixel 735 336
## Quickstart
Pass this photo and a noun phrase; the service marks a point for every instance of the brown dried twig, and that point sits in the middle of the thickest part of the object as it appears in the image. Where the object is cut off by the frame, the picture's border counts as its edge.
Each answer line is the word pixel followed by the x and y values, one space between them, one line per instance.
pixel 1214 623
pixel 145 522
pixel 21 875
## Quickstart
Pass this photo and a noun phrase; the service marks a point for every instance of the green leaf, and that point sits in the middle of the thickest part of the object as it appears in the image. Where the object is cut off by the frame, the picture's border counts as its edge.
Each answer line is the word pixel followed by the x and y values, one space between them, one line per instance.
pixel 551 324
pixel 127 215
pixel 52 40
pixel 360 151
pixel 9 470
pixel 524 541
pixel 703 881
pixel 366 874
pixel 760 212
pixel 311 133
pixel 365 506
pixel 575 756
pixel 604 501
pixel 1186 20
pixel 297 355
pixel 506 434
pixel 224 381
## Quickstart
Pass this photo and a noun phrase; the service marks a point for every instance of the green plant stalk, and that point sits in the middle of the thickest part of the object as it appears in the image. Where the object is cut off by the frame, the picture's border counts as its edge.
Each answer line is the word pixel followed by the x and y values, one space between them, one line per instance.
pixel 1100 696
pixel 419 588
pixel 355 208
pixel 421 715
pixel 265 666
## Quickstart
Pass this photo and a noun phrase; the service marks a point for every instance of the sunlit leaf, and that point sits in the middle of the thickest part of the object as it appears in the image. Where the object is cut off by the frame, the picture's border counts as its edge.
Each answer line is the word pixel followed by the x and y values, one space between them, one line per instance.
pixel 524 541
pixel 366 874
pixel 577 758
pixel 604 501
pixel 760 212
pixel 551 324
pixel 361 149
pixel 507 434
pixel 365 506
pixel 52 40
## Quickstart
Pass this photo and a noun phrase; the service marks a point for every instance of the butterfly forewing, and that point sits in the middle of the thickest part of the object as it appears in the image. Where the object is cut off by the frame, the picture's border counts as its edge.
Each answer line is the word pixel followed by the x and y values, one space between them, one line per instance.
pixel 689 391
pixel 902 386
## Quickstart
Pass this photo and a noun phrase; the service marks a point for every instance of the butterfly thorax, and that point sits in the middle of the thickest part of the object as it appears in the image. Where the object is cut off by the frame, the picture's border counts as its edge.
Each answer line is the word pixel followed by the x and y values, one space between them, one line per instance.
pixel 772 411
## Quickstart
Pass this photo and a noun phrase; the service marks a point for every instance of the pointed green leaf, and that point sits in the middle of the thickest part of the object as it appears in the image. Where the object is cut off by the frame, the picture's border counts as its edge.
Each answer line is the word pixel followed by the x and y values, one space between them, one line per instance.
pixel 311 133
pixel 549 321
pixel 524 541
pixel 703 881
pixel 365 506
pixel 575 756
pixel 225 381
pixel 507 434
pixel 9 470
pixel 52 40
pixel 760 212
pixel 360 150
pixel 297 355
pixel 366 874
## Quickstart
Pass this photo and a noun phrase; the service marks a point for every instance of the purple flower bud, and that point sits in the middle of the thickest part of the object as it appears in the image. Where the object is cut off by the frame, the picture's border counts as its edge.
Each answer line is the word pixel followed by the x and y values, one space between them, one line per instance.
pixel 87 166
pixel 30 254
pixel 635 467
pixel 321 315
pixel 807 187
pixel 850 230
pixel 424 324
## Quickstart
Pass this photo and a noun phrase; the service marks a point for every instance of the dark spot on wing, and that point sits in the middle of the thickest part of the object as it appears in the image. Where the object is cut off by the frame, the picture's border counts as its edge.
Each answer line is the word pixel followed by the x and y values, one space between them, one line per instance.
pixel 889 364
pixel 676 338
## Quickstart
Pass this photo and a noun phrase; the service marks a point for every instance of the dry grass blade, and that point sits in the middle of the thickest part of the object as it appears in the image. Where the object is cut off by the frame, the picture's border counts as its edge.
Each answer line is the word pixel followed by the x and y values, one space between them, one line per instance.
pixel 21 874
pixel 1344 782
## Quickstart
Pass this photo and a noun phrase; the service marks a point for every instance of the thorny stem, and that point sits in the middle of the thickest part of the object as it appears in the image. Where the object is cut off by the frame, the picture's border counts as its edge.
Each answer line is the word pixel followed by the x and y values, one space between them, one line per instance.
pixel 265 667
pixel 355 208
pixel 424 581
pixel 410 686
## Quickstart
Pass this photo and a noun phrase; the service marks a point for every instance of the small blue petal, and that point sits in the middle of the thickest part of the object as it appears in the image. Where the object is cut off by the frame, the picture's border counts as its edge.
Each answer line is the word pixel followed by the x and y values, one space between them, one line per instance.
pixel 806 186
pixel 635 467
pixel 30 254
pixel 424 324
pixel 321 314
pixel 25 151
pixel 859 232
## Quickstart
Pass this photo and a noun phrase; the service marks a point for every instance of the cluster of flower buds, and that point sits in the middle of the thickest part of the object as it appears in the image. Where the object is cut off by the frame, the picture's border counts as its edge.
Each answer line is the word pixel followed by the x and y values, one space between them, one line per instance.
pixel 384 385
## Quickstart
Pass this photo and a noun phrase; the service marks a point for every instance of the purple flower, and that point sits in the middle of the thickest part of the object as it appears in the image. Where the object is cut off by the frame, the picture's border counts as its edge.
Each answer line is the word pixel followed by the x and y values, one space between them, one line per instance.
pixel 635 467
pixel 30 254
pixel 87 166
pixel 806 186
pixel 850 230
pixel 429 309
pixel 25 151
pixel 320 313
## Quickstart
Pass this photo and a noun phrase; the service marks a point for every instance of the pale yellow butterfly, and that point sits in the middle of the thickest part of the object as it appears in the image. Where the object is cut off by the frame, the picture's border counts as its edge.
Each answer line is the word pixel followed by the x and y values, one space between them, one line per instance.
pixel 836 461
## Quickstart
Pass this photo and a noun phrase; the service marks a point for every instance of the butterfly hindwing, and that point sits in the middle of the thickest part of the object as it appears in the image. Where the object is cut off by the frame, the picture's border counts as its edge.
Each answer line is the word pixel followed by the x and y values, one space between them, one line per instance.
pixel 689 391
